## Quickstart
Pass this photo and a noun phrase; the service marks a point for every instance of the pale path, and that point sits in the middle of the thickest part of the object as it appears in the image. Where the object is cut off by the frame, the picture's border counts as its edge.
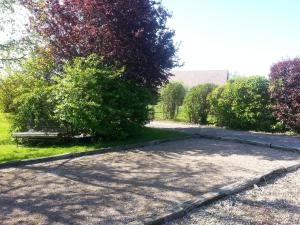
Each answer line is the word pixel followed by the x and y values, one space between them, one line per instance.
pixel 281 140
pixel 118 188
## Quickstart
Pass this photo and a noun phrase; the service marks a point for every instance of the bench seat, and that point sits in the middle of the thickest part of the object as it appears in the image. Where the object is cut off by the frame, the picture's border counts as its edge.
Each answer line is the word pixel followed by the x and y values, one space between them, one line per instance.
pixel 36 135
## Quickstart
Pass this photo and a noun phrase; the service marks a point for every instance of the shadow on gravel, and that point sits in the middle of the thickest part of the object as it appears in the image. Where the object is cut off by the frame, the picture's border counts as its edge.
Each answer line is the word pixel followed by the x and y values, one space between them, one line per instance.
pixel 224 148
pixel 118 188
pixel 276 139
pixel 74 193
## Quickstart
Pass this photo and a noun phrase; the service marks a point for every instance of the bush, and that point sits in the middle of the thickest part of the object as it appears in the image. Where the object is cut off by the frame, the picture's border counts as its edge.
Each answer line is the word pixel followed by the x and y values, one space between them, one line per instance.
pixel 220 112
pixel 171 98
pixel 94 99
pixel 27 94
pixel 8 92
pixel 285 92
pixel 243 103
pixel 34 71
pixel 86 97
pixel 35 110
pixel 196 104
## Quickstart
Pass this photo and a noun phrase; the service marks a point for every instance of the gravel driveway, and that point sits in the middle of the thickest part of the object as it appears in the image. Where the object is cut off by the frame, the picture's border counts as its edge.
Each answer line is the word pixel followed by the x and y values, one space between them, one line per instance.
pixel 276 203
pixel 275 139
pixel 118 188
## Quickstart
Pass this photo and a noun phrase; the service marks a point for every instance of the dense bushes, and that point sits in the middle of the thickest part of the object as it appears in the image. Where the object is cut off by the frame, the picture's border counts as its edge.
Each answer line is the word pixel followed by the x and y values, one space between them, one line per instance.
pixel 285 91
pixel 171 98
pixel 27 94
pixel 8 92
pixel 34 110
pixel 107 97
pixel 87 96
pixel 243 103
pixel 93 99
pixel 196 104
pixel 33 73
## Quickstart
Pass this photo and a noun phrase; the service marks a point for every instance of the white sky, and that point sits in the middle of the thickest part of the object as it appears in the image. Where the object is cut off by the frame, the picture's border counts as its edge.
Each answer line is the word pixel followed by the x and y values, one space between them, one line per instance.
pixel 242 36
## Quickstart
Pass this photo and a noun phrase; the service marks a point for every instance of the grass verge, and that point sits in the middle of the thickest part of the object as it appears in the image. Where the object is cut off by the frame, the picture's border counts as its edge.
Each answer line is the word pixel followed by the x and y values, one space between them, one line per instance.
pixel 10 151
pixel 158 115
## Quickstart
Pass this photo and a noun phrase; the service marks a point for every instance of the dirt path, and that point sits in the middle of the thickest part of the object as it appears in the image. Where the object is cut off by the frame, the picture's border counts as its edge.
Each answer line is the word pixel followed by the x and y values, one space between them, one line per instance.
pixel 275 139
pixel 118 188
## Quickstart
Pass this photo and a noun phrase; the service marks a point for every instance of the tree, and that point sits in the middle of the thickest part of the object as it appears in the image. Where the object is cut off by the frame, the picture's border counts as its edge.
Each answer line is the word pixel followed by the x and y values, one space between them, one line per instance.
pixel 132 33
pixel 16 41
pixel 285 91
pixel 196 104
pixel 171 98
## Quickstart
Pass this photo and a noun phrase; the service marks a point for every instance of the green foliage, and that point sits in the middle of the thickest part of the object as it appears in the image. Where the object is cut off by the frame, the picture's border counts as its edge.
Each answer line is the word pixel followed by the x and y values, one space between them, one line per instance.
pixel 196 104
pixel 93 98
pixel 8 92
pixel 171 98
pixel 10 151
pixel 33 73
pixel 243 103
pixel 220 112
pixel 27 93
pixel 35 110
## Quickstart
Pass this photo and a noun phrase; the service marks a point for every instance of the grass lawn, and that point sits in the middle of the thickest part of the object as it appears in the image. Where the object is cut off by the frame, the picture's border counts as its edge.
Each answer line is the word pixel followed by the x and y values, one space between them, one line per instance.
pixel 159 116
pixel 9 151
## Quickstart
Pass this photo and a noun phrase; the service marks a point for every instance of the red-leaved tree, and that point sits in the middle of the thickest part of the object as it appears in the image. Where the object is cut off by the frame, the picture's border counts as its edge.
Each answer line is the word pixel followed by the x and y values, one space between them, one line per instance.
pixel 285 78
pixel 132 33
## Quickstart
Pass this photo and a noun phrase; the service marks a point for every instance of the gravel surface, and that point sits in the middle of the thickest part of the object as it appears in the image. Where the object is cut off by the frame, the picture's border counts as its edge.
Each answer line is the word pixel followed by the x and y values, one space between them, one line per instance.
pixel 275 139
pixel 275 203
pixel 140 184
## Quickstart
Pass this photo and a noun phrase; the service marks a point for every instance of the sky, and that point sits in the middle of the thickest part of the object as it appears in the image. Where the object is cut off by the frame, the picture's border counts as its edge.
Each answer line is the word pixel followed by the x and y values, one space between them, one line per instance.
pixel 243 36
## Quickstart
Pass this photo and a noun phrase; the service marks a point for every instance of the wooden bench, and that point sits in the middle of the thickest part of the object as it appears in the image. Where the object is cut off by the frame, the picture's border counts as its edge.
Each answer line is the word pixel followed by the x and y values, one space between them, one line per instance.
pixel 36 136
pixel 43 136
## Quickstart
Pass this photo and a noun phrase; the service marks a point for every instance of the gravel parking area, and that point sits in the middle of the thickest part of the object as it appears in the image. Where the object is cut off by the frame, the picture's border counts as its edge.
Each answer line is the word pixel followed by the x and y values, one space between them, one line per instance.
pixel 275 203
pixel 274 139
pixel 140 184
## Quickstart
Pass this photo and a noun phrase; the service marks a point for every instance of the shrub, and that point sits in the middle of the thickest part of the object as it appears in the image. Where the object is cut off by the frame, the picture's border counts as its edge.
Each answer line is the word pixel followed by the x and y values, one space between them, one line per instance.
pixel 285 92
pixel 35 110
pixel 171 98
pixel 94 99
pixel 27 94
pixel 33 72
pixel 220 112
pixel 8 92
pixel 243 103
pixel 196 104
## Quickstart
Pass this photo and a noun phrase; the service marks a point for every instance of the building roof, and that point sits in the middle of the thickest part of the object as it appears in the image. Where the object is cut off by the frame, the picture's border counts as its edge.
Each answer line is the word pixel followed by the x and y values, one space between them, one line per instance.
pixel 194 78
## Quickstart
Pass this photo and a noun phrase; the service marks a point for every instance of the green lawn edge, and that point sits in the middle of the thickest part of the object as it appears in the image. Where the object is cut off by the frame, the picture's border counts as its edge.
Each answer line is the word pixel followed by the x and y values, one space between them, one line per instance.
pixel 10 151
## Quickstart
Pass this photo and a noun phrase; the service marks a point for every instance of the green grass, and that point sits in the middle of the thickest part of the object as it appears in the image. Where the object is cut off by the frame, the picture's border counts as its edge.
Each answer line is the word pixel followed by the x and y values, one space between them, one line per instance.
pixel 9 151
pixel 159 116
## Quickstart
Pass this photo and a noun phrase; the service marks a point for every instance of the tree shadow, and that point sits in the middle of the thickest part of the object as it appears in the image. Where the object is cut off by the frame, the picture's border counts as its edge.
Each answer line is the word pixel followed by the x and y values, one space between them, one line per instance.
pixel 276 139
pixel 239 210
pixel 117 188
pixel 207 147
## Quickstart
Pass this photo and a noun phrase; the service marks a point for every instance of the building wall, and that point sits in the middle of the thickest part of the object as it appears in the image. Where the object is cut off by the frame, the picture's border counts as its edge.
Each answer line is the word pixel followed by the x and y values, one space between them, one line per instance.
pixel 194 78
